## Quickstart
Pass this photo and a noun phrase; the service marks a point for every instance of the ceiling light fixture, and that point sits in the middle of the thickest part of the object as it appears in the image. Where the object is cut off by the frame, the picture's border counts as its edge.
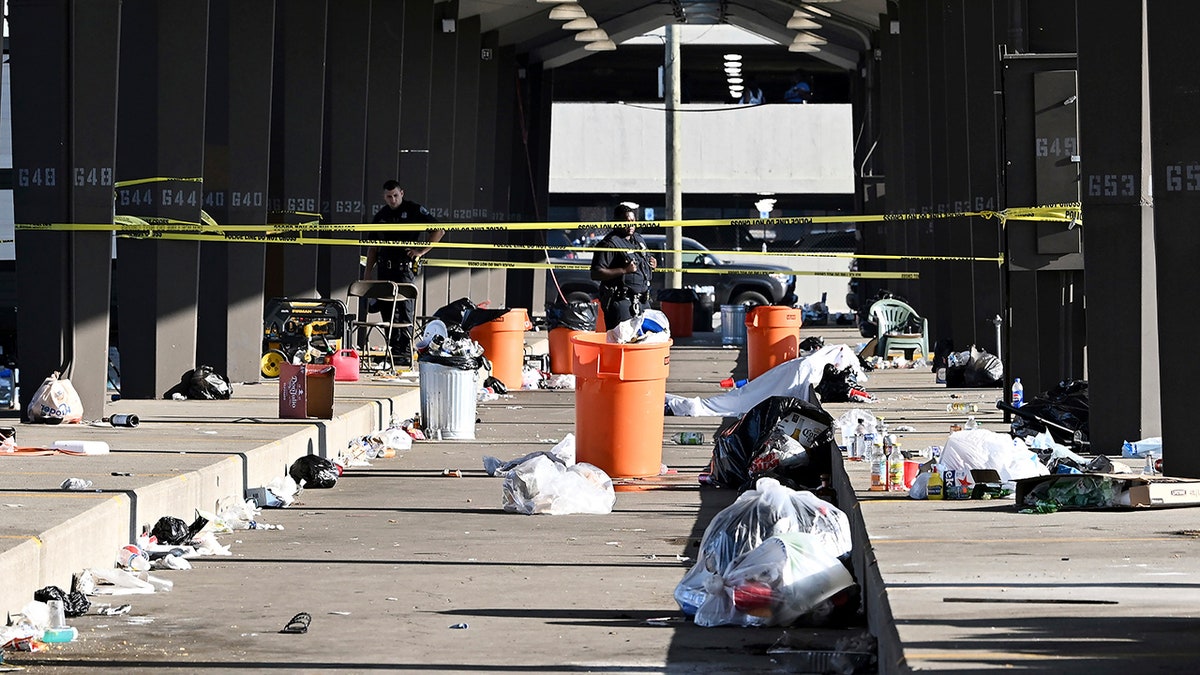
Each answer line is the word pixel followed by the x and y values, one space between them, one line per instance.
pixel 733 71
pixel 803 38
pixel 601 46
pixel 733 64
pixel 802 24
pixel 735 80
pixel 803 47
pixel 591 35
pixel 586 23
pixel 567 11
pixel 817 10
pixel 733 57
pixel 736 87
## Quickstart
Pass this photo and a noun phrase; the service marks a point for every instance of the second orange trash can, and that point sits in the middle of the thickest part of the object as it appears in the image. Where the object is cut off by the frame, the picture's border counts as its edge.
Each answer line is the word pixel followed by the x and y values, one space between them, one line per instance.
pixel 772 337
pixel 560 349
pixel 620 390
pixel 503 342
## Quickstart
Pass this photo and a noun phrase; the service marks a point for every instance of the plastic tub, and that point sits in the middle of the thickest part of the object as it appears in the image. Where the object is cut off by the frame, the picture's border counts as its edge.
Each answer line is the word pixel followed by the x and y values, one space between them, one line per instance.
pixel 560 349
pixel 619 395
pixel 447 401
pixel 503 341
pixel 772 337
pixel 733 324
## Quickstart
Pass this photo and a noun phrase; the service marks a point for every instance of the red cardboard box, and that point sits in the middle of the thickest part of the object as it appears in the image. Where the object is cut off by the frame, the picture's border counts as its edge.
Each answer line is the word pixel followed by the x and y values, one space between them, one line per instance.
pixel 305 391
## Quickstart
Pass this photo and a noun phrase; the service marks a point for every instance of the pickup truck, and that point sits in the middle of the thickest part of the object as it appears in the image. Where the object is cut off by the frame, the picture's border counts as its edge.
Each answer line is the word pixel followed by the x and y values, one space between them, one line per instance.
pixel 759 285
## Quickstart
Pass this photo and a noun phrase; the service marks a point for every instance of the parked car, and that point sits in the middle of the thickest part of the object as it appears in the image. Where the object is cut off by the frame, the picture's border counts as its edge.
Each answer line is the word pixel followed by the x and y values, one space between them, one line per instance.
pixel 759 285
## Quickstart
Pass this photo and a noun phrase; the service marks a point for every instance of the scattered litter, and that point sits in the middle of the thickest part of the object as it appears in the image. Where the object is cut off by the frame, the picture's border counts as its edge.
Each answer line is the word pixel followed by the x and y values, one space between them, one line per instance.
pixel 612 543
pixel 15 506
pixel 140 620
pixel 298 624
pixel 544 485
pixel 76 484
pixel 563 452
pixel 109 610
pixel 390 599
pixel 460 626
pixel 452 473
pixel 341 613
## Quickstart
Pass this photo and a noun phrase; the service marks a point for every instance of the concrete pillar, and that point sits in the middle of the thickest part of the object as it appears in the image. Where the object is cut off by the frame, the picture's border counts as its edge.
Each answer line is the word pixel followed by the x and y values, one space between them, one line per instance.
pixel 1175 149
pixel 237 134
pixel 296 131
pixel 1112 143
pixel 160 130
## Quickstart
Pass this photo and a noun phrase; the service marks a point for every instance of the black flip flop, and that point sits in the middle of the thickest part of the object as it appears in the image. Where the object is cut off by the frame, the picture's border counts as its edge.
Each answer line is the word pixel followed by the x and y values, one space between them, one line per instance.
pixel 298 624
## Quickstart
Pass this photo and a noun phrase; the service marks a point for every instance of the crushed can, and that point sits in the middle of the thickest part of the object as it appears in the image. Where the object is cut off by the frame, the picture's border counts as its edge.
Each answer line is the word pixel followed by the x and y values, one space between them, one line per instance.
pixel 689 438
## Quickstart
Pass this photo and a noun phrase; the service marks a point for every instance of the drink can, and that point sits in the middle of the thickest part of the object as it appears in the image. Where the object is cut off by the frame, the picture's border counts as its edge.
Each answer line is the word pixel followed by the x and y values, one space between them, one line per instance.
pixel 689 438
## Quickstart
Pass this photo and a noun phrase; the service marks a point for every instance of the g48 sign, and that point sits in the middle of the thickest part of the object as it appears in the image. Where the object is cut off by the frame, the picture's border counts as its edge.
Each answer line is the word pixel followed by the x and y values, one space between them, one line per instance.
pixel 1183 177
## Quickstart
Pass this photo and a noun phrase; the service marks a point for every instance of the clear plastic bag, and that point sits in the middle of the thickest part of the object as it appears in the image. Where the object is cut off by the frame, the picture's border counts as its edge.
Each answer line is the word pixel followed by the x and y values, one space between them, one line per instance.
pixel 542 485
pixel 769 510
pixel 782 579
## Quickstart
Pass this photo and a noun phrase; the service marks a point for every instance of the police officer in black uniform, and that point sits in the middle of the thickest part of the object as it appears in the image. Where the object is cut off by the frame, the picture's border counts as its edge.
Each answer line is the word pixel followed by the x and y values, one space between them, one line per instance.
pixel 399 263
pixel 624 272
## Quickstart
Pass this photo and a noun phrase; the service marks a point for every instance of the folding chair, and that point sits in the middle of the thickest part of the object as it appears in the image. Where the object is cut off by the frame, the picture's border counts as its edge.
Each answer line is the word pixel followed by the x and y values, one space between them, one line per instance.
pixel 383 291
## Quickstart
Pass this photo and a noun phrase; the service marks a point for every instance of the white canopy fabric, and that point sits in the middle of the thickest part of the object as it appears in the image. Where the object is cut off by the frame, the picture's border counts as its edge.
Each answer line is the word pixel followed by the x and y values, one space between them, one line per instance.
pixel 795 378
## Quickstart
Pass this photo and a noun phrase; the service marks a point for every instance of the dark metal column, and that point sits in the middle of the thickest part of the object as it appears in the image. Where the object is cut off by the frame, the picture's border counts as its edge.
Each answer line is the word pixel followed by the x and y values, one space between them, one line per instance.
pixel 466 151
pixel 95 45
pixel 160 135
pixel 439 193
pixel 237 136
pixel 296 112
pixel 1175 149
pixel 345 140
pixel 41 102
pixel 416 92
pixel 484 180
pixel 1111 143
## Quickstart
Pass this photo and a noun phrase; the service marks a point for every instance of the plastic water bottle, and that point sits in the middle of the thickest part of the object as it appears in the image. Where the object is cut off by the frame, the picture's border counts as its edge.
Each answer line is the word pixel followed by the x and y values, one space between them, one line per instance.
pixel 858 449
pixel 868 444
pixel 1018 393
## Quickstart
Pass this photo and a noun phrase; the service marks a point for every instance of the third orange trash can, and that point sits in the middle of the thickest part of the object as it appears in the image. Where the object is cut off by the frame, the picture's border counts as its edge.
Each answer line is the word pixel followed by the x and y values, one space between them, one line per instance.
pixel 560 349
pixel 620 390
pixel 772 337
pixel 503 342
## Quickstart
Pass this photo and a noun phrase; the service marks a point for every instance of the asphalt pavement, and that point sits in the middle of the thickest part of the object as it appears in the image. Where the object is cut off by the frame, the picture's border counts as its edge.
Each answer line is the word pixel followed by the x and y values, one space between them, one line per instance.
pixel 403 568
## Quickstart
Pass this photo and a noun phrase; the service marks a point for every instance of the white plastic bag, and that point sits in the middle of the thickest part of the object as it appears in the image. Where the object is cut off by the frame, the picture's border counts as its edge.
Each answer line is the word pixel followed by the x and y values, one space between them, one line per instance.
pixel 1138 449
pixel 55 401
pixel 920 486
pixel 768 510
pixel 563 452
pixel 983 449
pixel 782 579
pixel 542 485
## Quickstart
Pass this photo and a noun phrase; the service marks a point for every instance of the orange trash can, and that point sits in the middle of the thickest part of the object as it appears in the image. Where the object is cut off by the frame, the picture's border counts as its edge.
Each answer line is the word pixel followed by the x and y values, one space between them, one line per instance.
pixel 503 342
pixel 772 337
pixel 560 349
pixel 680 316
pixel 620 390
pixel 600 327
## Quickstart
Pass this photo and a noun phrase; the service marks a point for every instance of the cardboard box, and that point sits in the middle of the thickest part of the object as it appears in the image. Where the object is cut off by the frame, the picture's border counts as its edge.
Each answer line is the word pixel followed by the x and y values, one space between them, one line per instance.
pixel 1130 490
pixel 305 391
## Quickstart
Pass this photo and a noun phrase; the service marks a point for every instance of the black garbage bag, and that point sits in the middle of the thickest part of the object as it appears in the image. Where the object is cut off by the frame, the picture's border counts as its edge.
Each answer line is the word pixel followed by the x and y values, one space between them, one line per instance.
pixel 495 385
pixel 1063 411
pixel 202 383
pixel 313 471
pixel 456 361
pixel 811 344
pixel 684 296
pixel 74 603
pixel 974 367
pixel 835 385
pixel 743 448
pixel 171 530
pixel 578 315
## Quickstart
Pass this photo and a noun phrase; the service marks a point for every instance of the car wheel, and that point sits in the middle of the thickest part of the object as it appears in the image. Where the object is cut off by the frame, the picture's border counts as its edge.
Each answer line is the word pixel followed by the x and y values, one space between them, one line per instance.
pixel 751 298
pixel 578 296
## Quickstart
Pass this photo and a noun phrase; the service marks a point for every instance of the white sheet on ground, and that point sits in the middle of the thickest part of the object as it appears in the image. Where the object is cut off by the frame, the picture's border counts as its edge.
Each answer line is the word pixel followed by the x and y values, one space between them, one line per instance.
pixel 794 378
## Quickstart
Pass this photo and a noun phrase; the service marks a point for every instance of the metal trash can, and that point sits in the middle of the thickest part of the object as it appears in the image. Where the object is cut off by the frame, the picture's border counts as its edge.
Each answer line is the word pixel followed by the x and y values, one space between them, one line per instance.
pixel 733 324
pixel 448 401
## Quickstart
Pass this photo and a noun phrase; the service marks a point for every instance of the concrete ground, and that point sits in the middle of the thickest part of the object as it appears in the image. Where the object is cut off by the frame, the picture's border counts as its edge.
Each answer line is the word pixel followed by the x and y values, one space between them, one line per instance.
pixel 395 555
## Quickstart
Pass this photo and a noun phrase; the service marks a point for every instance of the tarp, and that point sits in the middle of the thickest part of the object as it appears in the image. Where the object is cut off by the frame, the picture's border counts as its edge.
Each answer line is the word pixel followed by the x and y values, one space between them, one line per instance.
pixel 795 378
